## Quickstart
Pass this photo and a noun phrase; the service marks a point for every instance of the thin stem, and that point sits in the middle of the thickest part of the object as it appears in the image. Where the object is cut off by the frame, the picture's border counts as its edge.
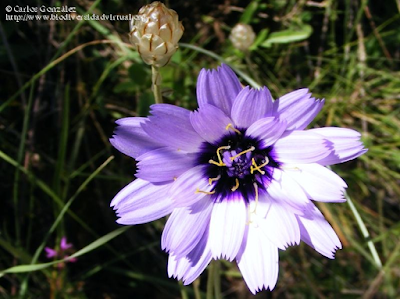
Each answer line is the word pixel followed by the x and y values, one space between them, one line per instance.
pixel 214 280
pixel 250 66
pixel 245 77
pixel 184 294
pixel 210 281
pixel 24 285
pixel 196 289
pixel 50 66
pixel 156 81
pixel 364 231
pixel 217 279
pixel 21 150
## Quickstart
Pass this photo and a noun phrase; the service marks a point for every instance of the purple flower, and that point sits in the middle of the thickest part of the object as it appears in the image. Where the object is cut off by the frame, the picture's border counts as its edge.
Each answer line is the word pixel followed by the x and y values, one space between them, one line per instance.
pixel 61 253
pixel 238 177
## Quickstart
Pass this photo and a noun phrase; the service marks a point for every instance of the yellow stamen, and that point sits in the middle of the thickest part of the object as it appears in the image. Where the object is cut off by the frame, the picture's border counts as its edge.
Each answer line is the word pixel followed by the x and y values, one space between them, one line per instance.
pixel 248 216
pixel 256 197
pixel 258 167
pixel 243 152
pixel 234 188
pixel 215 163
pixel 255 205
pixel 219 163
pixel 210 180
pixel 205 192
pixel 219 155
pixel 291 168
pixel 230 126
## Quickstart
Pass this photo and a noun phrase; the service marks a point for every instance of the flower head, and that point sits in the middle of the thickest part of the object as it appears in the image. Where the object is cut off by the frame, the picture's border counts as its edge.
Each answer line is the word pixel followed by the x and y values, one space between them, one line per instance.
pixel 155 33
pixel 242 36
pixel 61 253
pixel 238 177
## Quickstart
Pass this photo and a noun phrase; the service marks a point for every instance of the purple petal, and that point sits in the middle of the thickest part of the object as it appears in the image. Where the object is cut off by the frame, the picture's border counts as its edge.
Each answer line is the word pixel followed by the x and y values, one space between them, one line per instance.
pixel 130 139
pixel 283 189
pixel 163 165
pixel 50 253
pixel 141 202
pixel 179 239
pixel 64 245
pixel 218 88
pixel 301 147
pixel 268 130
pixel 345 142
pixel 210 122
pixel 227 225
pixel 298 108
pixel 316 232
pixel 280 226
pixel 251 105
pixel 189 267
pixel 185 190
pixel 258 260
pixel 170 126
pixel 318 182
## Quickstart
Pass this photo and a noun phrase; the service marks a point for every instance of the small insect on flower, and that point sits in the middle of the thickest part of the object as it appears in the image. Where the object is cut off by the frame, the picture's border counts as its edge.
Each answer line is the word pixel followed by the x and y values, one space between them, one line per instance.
pixel 238 176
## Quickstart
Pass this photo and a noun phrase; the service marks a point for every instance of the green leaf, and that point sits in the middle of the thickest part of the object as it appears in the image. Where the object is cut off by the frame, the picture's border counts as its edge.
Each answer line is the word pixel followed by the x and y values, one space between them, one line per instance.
pixel 145 100
pixel 288 36
pixel 261 36
pixel 248 13
pixel 125 87
pixel 138 74
pixel 92 246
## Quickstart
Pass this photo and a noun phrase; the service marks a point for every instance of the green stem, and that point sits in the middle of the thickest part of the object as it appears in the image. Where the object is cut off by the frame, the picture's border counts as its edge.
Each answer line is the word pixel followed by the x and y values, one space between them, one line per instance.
pixel 210 281
pixel 245 77
pixel 156 81
pixel 214 280
pixel 196 289
pixel 364 231
pixel 217 280
pixel 21 151
pixel 184 294
pixel 250 66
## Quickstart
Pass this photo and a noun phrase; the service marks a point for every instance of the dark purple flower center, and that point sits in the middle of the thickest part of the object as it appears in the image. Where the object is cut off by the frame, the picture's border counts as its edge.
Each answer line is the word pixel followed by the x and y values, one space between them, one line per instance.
pixel 237 165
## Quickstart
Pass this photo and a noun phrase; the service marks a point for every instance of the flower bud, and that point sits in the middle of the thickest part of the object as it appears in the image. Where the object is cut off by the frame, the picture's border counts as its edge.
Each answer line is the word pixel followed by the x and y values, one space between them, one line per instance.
pixel 155 33
pixel 242 36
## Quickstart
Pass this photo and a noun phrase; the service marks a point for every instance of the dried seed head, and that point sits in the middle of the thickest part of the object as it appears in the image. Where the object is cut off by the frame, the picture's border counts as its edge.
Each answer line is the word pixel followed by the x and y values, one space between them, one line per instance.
pixel 242 36
pixel 155 33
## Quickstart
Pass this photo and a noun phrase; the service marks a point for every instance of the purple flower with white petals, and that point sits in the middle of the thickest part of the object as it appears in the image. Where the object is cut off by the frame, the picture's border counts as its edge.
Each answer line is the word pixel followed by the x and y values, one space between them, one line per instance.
pixel 238 177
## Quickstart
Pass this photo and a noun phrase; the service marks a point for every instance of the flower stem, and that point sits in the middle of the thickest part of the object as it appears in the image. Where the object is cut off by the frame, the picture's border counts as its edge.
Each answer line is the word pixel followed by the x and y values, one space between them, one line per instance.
pixel 217 280
pixel 184 294
pixel 156 84
pixel 210 280
pixel 364 231
pixel 196 288
pixel 214 280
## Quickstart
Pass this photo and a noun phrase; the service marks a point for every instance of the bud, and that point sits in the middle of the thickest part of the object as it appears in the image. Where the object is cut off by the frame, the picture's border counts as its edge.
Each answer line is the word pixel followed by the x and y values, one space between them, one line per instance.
pixel 242 36
pixel 155 33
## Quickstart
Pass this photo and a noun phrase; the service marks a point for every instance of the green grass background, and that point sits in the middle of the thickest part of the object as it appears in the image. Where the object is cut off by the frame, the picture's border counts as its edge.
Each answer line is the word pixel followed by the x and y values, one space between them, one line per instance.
pixel 64 83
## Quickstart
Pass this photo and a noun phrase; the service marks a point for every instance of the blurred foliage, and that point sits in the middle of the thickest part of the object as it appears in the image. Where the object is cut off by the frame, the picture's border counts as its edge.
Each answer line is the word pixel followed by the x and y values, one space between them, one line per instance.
pixel 64 83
